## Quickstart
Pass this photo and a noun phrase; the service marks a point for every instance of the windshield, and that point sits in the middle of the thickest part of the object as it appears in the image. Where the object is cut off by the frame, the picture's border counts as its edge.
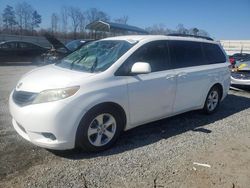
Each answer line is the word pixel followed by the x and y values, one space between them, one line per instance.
pixel 95 56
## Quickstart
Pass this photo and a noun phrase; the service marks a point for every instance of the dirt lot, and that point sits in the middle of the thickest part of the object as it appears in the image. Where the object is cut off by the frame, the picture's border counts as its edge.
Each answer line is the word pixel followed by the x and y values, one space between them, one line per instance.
pixel 159 154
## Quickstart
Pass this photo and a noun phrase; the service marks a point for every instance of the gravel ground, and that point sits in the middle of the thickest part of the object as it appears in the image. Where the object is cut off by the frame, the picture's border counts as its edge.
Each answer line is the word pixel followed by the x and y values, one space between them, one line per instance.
pixel 159 154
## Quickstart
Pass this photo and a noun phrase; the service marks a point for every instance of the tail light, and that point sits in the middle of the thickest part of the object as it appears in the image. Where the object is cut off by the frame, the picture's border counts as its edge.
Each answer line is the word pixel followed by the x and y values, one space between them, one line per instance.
pixel 232 60
pixel 232 63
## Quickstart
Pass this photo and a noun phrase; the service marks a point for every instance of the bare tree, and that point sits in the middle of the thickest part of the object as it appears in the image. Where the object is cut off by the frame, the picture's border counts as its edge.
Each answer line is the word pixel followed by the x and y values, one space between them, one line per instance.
pixel 203 33
pixel 181 29
pixel 198 32
pixel 94 14
pixel 9 18
pixel 159 29
pixel 193 31
pixel 64 19
pixel 122 20
pixel 20 16
pixel 36 20
pixel 24 15
pixel 75 15
pixel 1 23
pixel 82 23
pixel 54 23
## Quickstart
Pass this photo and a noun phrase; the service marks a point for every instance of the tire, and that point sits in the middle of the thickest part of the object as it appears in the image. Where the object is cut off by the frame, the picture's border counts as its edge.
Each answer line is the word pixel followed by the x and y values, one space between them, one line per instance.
pixel 212 101
pixel 96 125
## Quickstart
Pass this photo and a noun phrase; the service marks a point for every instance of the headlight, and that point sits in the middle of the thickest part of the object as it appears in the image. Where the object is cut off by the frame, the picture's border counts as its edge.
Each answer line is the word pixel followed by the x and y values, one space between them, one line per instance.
pixel 55 94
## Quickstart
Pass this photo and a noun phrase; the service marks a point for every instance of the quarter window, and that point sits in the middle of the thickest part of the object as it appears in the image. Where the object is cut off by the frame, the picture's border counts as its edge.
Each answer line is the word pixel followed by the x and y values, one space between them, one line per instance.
pixel 213 53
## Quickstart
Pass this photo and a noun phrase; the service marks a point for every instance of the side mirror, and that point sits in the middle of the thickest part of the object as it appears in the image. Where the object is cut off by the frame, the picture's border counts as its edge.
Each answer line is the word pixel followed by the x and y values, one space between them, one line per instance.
pixel 141 68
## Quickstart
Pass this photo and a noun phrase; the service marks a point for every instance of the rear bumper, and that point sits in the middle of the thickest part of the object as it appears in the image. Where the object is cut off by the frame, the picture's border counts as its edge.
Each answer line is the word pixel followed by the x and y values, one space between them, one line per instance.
pixel 235 81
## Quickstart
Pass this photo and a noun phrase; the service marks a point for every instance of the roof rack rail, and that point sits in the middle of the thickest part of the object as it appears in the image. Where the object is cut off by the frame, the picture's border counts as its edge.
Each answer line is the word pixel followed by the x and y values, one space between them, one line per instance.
pixel 187 35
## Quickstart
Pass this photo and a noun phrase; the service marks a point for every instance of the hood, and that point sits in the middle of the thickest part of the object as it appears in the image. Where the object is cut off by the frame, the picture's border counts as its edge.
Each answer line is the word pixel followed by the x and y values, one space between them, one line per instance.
pixel 49 77
pixel 55 42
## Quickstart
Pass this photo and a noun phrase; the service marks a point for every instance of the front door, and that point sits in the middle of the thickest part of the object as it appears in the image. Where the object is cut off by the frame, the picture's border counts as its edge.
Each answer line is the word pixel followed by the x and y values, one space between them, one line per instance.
pixel 151 96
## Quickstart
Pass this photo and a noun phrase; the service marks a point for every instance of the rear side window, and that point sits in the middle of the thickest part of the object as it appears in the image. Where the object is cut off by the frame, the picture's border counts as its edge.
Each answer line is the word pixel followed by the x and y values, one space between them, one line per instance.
pixel 23 45
pixel 186 54
pixel 213 53
pixel 27 45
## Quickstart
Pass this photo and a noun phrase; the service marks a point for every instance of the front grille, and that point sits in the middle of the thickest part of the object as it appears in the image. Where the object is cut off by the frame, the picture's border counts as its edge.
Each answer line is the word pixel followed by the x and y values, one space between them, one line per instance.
pixel 241 75
pixel 23 98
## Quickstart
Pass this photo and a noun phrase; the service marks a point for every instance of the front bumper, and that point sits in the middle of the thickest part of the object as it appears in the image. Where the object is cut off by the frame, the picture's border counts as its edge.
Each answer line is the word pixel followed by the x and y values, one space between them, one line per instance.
pixel 235 81
pixel 57 118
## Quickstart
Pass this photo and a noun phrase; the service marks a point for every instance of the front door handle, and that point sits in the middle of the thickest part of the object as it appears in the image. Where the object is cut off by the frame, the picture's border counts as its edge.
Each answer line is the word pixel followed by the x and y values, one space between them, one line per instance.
pixel 182 74
pixel 170 76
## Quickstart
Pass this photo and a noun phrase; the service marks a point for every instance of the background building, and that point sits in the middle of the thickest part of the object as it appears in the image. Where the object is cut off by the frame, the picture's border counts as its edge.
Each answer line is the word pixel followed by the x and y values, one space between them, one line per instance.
pixel 236 46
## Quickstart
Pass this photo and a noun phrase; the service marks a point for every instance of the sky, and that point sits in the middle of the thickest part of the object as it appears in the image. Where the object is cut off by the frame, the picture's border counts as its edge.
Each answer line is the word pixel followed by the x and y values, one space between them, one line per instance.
pixel 222 19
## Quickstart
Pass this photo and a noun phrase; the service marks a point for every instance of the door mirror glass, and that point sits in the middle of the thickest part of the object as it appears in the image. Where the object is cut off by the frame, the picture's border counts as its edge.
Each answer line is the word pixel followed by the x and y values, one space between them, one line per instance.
pixel 141 68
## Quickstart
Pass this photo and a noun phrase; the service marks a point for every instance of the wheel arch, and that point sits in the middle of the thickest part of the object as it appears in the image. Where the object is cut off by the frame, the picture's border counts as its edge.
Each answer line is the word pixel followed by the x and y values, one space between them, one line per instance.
pixel 116 106
pixel 220 87
pixel 109 104
pixel 101 105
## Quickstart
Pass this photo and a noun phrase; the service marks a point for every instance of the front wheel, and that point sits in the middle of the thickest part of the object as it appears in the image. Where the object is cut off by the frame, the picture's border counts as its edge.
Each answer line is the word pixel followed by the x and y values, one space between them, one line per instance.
pixel 99 129
pixel 212 101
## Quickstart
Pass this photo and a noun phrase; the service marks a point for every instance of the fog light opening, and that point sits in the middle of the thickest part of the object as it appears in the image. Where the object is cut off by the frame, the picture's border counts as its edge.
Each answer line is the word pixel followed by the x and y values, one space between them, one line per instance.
pixel 21 127
pixel 49 136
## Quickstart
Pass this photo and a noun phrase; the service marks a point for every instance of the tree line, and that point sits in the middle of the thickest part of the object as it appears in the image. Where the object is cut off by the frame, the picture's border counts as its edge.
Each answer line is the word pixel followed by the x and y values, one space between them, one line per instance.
pixel 23 19
pixel 160 29
pixel 69 22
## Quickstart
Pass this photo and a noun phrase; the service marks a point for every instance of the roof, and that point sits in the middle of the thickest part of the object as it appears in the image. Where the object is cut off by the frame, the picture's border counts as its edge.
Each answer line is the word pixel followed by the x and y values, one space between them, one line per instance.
pixel 188 35
pixel 131 38
pixel 8 41
pixel 110 26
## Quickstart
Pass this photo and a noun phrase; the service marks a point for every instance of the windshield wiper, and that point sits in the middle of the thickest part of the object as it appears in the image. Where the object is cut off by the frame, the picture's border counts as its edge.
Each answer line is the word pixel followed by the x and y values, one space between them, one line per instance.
pixel 77 60
pixel 92 69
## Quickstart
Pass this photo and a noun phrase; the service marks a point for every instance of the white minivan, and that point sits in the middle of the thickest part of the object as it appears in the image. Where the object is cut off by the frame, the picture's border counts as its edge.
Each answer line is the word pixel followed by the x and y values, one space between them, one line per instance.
pixel 115 84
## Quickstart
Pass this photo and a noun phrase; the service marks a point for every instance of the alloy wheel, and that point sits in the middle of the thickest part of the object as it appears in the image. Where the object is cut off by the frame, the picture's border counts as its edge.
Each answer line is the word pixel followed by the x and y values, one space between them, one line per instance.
pixel 101 130
pixel 213 99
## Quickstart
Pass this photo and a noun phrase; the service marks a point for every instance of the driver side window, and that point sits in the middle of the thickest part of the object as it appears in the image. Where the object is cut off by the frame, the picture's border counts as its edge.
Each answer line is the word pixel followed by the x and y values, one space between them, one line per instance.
pixel 8 45
pixel 155 53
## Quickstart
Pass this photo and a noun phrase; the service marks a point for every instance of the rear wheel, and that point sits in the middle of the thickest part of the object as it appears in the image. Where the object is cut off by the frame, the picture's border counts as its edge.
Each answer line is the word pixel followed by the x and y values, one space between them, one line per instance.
pixel 212 100
pixel 99 129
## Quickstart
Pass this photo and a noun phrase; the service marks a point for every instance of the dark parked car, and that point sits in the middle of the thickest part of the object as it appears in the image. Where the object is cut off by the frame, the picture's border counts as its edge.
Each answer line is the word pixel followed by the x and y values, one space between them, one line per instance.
pixel 59 50
pixel 20 51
